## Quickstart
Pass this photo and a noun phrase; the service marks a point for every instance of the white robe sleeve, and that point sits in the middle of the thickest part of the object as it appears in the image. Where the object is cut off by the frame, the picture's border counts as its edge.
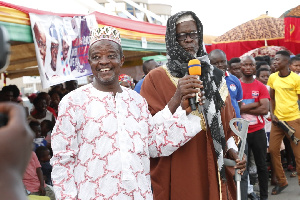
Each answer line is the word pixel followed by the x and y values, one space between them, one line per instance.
pixel 231 144
pixel 65 148
pixel 168 132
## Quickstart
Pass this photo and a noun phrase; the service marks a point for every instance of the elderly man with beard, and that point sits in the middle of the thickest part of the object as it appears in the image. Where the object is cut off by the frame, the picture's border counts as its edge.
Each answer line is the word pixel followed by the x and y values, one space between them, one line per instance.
pixel 105 135
pixel 196 170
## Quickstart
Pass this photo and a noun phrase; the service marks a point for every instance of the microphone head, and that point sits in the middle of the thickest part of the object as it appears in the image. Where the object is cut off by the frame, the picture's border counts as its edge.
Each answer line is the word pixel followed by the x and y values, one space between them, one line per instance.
pixel 194 67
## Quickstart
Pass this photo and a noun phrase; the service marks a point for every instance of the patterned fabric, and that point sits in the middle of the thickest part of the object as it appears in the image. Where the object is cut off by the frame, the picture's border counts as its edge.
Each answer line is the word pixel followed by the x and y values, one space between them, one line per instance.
pixel 102 144
pixel 265 51
pixel 126 78
pixel 105 33
pixel 212 79
pixel 264 27
pixel 295 12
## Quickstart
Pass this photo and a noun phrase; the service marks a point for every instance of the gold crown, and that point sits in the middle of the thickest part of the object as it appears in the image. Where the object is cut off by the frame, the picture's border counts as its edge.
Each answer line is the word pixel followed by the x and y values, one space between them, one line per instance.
pixel 105 33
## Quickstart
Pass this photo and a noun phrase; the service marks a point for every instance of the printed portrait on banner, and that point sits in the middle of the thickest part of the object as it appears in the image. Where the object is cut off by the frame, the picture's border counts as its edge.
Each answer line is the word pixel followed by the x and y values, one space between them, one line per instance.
pixel 61 45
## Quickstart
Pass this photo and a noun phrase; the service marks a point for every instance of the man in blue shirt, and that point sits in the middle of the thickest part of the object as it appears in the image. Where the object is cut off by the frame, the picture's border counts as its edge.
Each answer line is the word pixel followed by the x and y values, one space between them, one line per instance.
pixel 218 59
pixel 148 65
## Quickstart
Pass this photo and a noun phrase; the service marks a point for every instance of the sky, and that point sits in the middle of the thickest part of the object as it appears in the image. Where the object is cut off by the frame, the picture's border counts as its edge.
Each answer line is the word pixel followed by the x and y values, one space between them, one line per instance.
pixel 220 16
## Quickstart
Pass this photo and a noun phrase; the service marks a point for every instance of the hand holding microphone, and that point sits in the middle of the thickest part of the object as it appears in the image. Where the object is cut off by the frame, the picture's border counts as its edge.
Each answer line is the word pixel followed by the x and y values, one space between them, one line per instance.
pixel 194 67
pixel 188 87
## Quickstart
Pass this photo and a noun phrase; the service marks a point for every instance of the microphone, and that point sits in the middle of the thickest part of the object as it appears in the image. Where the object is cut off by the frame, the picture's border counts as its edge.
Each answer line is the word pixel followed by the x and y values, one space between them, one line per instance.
pixel 194 67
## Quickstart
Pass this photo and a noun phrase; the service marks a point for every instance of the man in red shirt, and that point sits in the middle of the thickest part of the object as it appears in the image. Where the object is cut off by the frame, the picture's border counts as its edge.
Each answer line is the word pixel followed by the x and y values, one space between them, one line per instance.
pixel 255 104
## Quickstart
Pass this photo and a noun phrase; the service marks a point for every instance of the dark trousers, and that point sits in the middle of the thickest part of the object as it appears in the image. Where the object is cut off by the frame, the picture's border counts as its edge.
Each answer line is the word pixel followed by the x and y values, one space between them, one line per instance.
pixel 257 142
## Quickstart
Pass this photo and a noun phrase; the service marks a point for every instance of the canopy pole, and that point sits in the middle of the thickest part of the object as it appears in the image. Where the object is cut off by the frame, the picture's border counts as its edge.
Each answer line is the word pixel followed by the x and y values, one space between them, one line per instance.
pixel 4 79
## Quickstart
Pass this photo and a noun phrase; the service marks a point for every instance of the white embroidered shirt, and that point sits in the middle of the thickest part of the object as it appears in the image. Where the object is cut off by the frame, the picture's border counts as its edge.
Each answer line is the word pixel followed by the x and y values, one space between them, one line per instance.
pixel 102 144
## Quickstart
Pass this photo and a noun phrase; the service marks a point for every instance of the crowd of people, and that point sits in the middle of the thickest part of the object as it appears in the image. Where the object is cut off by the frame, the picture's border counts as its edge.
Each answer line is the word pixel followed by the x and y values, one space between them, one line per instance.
pixel 254 86
pixel 112 139
pixel 41 119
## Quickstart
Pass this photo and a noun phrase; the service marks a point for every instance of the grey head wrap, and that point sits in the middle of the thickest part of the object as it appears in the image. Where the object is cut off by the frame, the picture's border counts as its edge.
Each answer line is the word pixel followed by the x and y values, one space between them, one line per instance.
pixel 212 78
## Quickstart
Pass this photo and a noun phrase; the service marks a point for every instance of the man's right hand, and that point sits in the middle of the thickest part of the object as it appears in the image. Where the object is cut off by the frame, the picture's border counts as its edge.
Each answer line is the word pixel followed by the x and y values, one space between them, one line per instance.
pixel 188 87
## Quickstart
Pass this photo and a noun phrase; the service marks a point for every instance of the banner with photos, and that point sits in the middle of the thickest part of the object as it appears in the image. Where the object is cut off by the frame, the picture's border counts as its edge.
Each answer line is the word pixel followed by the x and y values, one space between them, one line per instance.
pixel 61 45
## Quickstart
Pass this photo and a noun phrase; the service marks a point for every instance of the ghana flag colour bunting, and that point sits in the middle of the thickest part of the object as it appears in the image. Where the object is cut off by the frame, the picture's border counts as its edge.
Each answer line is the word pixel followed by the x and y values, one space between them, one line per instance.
pixel 15 19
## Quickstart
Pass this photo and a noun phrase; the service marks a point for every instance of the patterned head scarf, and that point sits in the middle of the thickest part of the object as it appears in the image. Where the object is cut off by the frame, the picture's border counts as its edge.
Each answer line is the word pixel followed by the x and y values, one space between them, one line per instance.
pixel 177 56
pixel 212 79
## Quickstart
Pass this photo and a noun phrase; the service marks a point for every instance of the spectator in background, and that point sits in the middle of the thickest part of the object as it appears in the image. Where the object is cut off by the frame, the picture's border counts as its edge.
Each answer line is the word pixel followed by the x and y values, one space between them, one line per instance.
pixel 56 96
pixel 46 129
pixel 218 59
pixel 284 92
pixel 272 65
pixel 31 97
pixel 16 93
pixel 262 75
pixel 255 106
pixel 126 81
pixel 7 94
pixel 259 58
pixel 148 65
pixel 262 64
pixel 43 154
pixel 41 113
pixel 59 88
pixel 47 98
pixel 267 59
pixel 38 140
pixel 295 65
pixel 33 179
pixel 234 67
pixel 71 85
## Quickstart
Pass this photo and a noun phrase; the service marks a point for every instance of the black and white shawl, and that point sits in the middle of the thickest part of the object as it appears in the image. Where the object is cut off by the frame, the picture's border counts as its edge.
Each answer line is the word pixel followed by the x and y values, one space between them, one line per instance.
pixel 212 78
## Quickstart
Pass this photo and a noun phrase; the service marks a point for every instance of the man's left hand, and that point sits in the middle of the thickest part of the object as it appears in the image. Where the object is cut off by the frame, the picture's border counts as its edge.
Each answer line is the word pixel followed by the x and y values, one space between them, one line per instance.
pixel 240 164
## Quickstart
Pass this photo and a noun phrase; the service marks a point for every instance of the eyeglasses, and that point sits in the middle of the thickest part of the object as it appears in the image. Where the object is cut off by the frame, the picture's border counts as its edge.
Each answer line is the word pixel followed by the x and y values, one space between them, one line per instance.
pixel 182 36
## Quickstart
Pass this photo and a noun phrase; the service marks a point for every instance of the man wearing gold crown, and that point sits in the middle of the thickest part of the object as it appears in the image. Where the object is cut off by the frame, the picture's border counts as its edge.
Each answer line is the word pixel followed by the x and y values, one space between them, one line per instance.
pixel 105 135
